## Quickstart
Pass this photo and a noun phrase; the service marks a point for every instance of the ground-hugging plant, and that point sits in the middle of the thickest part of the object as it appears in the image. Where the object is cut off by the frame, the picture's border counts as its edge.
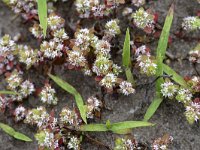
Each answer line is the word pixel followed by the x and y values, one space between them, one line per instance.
pixel 90 53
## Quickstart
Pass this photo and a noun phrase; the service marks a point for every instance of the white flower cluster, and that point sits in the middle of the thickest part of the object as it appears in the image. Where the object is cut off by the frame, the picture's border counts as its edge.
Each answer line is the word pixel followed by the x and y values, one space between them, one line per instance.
pixel 26 88
pixel 143 19
pixel 102 66
pixel 27 55
pixel 47 95
pixel 83 38
pixel 36 30
pixel 74 143
pixel 51 49
pixel 92 8
pixel 142 50
pixel 38 117
pixel 184 95
pixel 191 23
pixel 93 104
pixel 192 112
pixel 14 80
pixel 6 45
pixel 20 113
pixel 76 59
pixel 102 48
pixel 68 116
pixel 168 89
pixel 109 81
pixel 16 83
pixel 112 28
pixel 125 144
pixel 126 88
pixel 138 3
pixel 147 65
pixel 45 139
pixel 55 22
pixel 26 7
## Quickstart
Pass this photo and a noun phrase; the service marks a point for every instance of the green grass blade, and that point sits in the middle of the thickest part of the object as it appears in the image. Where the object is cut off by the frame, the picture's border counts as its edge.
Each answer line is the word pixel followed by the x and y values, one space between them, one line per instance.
pixel 9 130
pixel 67 87
pixel 94 127
pixel 162 44
pixel 42 13
pixel 8 92
pixel 161 50
pixel 129 76
pixel 126 50
pixel 17 135
pixel 22 137
pixel 176 77
pixel 152 108
pixel 126 58
pixel 129 125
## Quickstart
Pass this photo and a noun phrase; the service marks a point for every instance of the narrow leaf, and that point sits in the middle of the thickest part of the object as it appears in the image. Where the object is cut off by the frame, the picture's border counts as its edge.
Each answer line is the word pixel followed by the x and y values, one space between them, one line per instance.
pixel 162 45
pixel 94 127
pixel 152 108
pixel 7 129
pixel 126 50
pixel 8 92
pixel 161 50
pixel 22 137
pixel 17 135
pixel 129 125
pixel 124 131
pixel 67 87
pixel 42 12
pixel 176 77
pixel 129 76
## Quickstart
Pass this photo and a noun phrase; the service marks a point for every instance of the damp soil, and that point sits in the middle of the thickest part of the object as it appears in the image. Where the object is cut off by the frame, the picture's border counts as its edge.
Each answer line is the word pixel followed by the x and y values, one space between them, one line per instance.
pixel 169 118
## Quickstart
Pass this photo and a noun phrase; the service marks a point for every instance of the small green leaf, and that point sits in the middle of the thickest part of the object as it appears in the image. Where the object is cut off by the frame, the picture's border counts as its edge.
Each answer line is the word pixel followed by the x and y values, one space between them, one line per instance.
pixel 152 108
pixel 8 92
pixel 129 125
pixel 42 12
pixel 176 77
pixel 17 135
pixel 67 87
pixel 126 50
pixel 7 129
pixel 94 127
pixel 22 137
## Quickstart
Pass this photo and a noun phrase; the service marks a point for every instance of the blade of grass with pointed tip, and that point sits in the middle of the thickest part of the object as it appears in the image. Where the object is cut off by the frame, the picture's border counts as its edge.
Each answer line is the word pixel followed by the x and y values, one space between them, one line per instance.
pixel 176 77
pixel 152 108
pixel 161 50
pixel 162 46
pixel 126 58
pixel 67 87
pixel 22 137
pixel 94 127
pixel 129 125
pixel 126 50
pixel 42 13
pixel 17 135
pixel 8 92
